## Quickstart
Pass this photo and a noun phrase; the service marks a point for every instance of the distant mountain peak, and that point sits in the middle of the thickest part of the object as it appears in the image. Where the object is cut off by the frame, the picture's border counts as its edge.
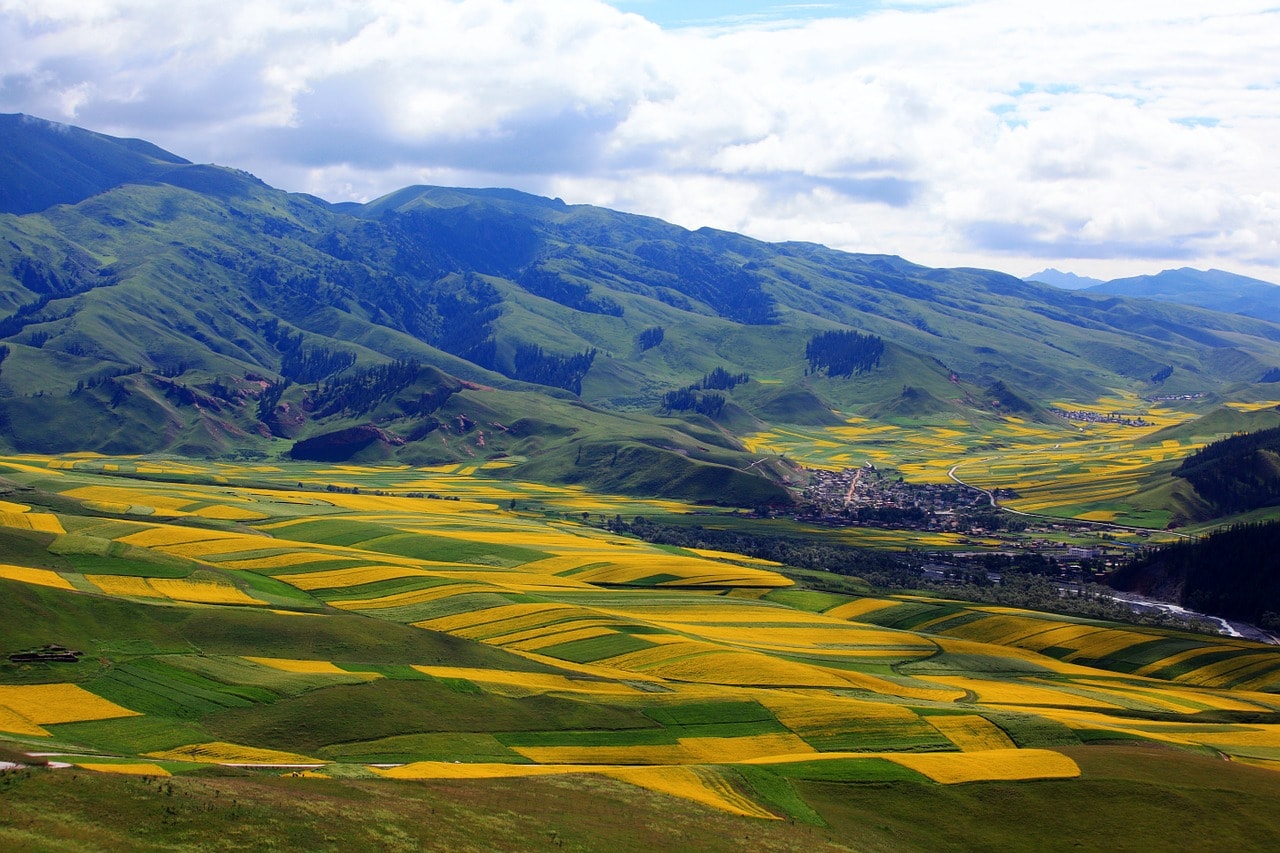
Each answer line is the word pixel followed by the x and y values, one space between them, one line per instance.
pixel 1064 280
pixel 1214 289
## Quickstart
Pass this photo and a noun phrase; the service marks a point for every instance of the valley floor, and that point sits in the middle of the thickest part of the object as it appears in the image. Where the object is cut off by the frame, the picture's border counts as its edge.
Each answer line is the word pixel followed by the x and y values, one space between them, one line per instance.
pixel 320 654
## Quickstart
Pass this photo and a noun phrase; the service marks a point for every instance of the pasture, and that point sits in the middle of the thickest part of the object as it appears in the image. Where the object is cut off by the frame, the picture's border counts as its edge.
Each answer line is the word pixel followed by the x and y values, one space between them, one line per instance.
pixel 361 629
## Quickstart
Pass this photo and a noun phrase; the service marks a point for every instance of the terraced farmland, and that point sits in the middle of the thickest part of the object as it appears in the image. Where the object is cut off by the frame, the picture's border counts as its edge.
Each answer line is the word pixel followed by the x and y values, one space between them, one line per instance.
pixel 385 635
pixel 1091 469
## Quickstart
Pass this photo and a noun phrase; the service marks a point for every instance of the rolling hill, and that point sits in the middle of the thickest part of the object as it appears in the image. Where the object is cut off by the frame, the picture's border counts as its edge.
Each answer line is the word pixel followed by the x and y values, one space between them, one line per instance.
pixel 154 305
pixel 314 531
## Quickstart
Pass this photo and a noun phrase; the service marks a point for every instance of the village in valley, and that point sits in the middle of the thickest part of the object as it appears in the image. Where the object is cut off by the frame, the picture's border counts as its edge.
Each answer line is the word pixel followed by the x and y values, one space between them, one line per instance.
pixel 870 497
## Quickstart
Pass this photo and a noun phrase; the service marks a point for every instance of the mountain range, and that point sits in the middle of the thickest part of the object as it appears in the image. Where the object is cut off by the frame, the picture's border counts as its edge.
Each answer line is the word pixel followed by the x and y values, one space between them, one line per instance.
pixel 150 304
pixel 1216 290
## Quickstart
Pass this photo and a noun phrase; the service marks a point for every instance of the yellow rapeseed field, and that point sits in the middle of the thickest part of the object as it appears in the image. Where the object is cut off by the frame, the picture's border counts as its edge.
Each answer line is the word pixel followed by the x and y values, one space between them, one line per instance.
pixel 219 752
pixel 50 704
pixel 535 628
pixel 554 636
pixel 39 577
pixel 405 506
pixel 355 576
pixel 229 513
pixel 15 724
pixel 133 768
pixel 1003 765
pixel 859 607
pixel 124 585
pixel 707 610
pixel 313 667
pixel 460 621
pixel 1266 736
pixel 814 638
pixel 506 625
pixel 223 543
pixel 1095 646
pixel 814 713
pixel 969 647
pixel 134 497
pixel 691 750
pixel 505 682
pixel 457 770
pixel 1232 669
pixel 687 570
pixel 729 555
pixel 1183 699
pixel 996 692
pixel 415 596
pixel 1003 630
pixel 47 467
pixel 278 561
pixel 912 689
pixel 1174 660
pixel 705 785
pixel 971 733
pixel 201 592
pixel 164 534
pixel 40 522
pixel 1067 636
pixel 747 669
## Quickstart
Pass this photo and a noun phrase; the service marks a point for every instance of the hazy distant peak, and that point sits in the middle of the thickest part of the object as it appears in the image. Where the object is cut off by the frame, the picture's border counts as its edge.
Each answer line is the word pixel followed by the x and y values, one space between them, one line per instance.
pixel 1064 280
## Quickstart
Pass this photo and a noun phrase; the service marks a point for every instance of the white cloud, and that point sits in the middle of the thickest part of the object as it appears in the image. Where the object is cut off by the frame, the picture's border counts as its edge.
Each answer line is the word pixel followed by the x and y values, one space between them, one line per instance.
pixel 1094 136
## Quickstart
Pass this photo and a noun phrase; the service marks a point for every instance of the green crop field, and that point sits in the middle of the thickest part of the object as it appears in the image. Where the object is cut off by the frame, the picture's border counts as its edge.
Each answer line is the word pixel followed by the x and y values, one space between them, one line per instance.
pixel 325 646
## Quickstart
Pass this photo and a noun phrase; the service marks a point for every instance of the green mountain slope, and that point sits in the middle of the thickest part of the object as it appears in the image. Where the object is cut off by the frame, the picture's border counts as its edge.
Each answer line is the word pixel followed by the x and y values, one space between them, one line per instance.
pixel 43 163
pixel 176 307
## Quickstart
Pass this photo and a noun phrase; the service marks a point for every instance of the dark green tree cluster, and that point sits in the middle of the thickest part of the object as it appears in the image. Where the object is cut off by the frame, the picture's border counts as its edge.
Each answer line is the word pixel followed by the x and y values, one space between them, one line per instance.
pixel 461 320
pixel 304 364
pixel 843 353
pixel 360 391
pixel 689 400
pixel 311 364
pixel 105 377
pixel 1236 474
pixel 1162 374
pixel 735 293
pixel 270 398
pixel 1035 591
pixel 650 338
pixel 26 314
pixel 571 294
pixel 531 364
pixel 1232 573
pixel 720 379
pixel 695 397
pixel 1006 399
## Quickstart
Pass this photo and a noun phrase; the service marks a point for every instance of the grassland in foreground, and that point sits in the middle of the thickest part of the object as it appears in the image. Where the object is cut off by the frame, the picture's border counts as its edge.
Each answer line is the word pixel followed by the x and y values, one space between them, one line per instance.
pixel 248 619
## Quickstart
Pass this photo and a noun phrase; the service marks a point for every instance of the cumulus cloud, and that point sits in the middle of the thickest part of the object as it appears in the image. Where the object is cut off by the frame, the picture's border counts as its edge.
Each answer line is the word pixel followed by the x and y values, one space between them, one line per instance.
pixel 1099 136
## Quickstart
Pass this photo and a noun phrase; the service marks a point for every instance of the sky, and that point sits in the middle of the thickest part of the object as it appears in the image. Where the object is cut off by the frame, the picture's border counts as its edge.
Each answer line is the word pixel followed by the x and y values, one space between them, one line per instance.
pixel 1103 138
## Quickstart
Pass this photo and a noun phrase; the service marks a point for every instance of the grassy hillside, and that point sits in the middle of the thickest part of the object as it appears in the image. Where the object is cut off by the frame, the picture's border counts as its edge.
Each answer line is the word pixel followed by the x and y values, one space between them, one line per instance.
pixel 43 163
pixel 175 307
pixel 266 648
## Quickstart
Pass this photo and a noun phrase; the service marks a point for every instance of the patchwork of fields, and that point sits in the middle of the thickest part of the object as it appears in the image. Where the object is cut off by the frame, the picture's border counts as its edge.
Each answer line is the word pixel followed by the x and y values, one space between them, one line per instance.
pixel 1088 469
pixel 433 624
